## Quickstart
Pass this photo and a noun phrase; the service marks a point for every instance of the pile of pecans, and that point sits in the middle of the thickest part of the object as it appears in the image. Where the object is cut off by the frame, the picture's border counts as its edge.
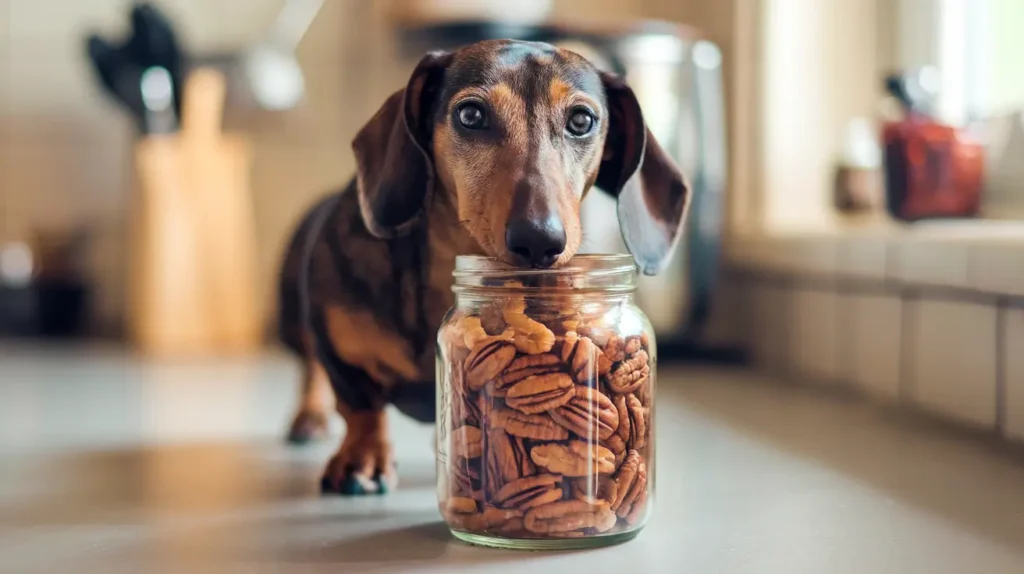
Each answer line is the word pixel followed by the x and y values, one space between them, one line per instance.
pixel 544 426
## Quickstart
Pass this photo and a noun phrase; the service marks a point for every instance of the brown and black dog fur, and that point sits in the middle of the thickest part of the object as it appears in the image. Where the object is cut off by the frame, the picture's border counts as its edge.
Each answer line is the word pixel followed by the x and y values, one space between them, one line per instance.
pixel 487 150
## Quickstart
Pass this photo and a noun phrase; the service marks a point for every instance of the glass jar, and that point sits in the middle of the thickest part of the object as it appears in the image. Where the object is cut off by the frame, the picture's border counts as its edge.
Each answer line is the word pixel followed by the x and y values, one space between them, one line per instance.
pixel 545 382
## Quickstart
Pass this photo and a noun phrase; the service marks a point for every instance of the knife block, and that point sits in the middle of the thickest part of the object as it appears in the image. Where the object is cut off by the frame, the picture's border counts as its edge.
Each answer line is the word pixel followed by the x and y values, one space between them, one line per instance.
pixel 192 275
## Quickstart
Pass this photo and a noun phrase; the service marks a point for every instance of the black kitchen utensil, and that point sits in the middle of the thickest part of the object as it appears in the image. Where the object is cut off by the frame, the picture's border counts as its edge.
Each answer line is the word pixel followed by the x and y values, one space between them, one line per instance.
pixel 121 65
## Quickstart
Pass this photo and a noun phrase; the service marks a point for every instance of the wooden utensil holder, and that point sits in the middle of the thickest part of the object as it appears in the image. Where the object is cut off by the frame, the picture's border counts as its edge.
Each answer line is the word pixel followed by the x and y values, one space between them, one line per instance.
pixel 193 283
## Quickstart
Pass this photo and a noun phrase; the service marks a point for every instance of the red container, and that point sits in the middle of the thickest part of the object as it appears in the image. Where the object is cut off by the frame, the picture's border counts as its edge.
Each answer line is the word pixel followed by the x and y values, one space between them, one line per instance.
pixel 931 170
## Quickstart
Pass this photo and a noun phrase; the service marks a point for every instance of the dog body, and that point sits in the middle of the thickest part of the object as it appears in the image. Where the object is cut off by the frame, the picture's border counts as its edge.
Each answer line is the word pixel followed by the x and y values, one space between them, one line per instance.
pixel 488 150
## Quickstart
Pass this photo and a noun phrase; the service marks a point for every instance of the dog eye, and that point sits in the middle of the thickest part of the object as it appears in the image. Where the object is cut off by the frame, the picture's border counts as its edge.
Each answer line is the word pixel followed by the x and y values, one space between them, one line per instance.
pixel 580 123
pixel 472 116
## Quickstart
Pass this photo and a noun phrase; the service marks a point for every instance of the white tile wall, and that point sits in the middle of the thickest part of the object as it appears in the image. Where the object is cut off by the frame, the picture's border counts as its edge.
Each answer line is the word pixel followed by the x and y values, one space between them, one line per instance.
pixel 998 267
pixel 1013 372
pixel 954 361
pixel 932 262
pixel 871 338
pixel 863 258
pixel 815 329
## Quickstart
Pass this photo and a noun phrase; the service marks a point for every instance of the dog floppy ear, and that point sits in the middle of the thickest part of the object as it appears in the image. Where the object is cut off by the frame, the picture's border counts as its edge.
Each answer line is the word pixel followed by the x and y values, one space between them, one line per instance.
pixel 650 190
pixel 393 159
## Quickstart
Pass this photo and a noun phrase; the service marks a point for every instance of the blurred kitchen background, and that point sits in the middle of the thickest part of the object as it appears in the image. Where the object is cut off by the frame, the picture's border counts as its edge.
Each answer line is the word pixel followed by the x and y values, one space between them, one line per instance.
pixel 857 167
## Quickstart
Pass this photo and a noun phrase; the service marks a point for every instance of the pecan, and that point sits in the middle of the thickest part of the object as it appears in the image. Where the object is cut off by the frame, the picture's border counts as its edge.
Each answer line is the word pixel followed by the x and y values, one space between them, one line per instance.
pixel 472 331
pixel 505 462
pixel 463 408
pixel 584 359
pixel 531 337
pixel 538 427
pixel 615 348
pixel 630 375
pixel 522 367
pixel 594 488
pixel 639 417
pixel 451 335
pixel 525 493
pixel 617 442
pixel 490 518
pixel 575 458
pixel 588 414
pixel 487 360
pixel 540 393
pixel 600 335
pixel 491 319
pixel 617 446
pixel 633 345
pixel 465 479
pixel 567 347
pixel 645 395
pixel 467 442
pixel 512 528
pixel 631 488
pixel 568 516
pixel 460 505
pixel 526 466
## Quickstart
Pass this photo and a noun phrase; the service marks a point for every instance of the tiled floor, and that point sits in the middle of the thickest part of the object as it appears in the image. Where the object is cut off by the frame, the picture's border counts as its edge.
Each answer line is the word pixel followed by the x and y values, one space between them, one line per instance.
pixel 109 464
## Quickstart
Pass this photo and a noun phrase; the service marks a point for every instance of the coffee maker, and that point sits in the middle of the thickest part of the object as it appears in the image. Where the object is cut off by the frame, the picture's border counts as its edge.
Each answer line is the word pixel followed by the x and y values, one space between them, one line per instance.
pixel 676 75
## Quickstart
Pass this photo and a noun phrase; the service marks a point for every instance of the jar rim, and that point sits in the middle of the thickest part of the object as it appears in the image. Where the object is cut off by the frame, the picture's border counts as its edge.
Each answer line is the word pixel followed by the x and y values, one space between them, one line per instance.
pixel 609 272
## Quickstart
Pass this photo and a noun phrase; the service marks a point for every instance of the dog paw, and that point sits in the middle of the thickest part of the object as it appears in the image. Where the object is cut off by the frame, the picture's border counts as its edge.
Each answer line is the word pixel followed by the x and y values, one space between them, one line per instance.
pixel 308 426
pixel 362 466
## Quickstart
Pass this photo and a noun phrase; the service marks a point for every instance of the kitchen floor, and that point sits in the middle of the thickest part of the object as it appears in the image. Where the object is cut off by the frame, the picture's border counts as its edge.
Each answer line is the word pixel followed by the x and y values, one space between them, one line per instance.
pixel 111 464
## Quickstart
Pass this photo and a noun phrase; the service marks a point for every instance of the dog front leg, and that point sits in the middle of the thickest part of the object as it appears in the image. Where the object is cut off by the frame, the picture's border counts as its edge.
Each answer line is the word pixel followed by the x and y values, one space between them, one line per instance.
pixel 310 422
pixel 365 463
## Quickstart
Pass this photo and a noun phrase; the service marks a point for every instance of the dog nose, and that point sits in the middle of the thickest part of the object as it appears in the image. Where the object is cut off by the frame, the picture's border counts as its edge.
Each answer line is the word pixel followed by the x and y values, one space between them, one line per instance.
pixel 537 242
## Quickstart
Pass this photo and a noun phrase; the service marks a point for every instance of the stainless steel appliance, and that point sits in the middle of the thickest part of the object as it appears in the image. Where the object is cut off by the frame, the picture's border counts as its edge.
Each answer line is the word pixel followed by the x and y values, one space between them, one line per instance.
pixel 676 75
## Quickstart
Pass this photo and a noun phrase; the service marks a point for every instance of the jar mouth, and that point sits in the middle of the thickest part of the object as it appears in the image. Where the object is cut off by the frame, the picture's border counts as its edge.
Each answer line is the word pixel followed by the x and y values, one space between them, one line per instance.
pixel 612 272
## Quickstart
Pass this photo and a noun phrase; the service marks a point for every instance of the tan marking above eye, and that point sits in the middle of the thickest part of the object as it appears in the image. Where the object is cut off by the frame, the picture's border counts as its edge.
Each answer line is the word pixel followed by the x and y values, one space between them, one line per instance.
pixel 558 92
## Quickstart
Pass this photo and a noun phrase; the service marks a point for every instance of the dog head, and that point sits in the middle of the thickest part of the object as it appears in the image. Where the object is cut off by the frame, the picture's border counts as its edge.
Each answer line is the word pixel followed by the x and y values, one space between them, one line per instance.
pixel 517 133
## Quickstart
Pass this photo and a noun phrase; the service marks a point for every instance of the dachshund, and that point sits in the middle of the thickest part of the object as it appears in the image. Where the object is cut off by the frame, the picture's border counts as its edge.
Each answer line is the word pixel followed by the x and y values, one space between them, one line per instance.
pixel 488 150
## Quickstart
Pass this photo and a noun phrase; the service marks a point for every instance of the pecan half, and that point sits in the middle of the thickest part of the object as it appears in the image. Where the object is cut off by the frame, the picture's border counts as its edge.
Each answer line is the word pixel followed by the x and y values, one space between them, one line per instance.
pixel 512 528
pixel 526 466
pixel 525 493
pixel 531 337
pixel 522 367
pixel 503 464
pixel 639 416
pixel 540 393
pixel 537 427
pixel 487 360
pixel 594 488
pixel 600 335
pixel 490 518
pixel 471 330
pixel 633 345
pixel 584 359
pixel 464 410
pixel 630 375
pixel 460 505
pixel 631 488
pixel 491 319
pixel 569 516
pixel 467 442
pixel 465 479
pixel 617 442
pixel 575 458
pixel 588 414
pixel 615 348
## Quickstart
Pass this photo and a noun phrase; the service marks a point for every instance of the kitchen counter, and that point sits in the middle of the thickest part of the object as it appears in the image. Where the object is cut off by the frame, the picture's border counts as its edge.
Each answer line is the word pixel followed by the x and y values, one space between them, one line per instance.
pixel 112 464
